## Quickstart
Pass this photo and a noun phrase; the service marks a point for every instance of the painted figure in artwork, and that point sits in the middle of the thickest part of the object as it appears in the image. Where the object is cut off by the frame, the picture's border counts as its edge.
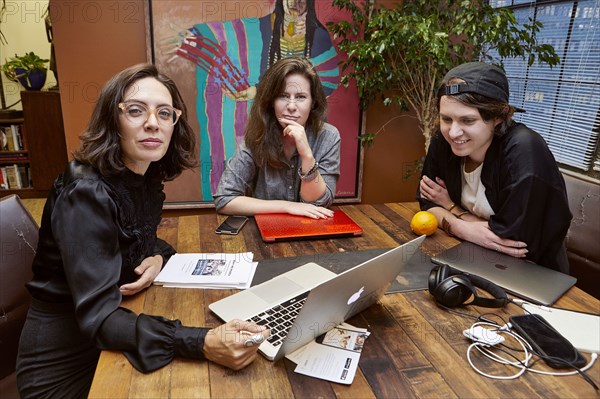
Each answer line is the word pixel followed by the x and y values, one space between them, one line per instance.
pixel 231 57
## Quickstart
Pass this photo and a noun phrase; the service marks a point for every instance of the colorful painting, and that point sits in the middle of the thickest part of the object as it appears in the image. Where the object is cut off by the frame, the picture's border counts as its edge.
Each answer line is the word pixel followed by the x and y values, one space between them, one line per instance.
pixel 217 52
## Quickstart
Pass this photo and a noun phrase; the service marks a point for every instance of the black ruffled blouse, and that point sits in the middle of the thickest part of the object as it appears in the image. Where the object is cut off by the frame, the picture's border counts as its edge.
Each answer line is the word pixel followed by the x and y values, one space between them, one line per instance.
pixel 95 231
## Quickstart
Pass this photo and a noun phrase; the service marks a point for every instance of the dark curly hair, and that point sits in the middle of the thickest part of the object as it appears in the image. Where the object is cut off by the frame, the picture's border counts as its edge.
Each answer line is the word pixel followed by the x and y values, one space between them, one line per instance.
pixel 100 143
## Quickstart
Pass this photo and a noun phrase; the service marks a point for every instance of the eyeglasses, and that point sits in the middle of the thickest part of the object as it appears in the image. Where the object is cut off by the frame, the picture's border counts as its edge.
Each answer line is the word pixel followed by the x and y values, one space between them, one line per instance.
pixel 298 99
pixel 138 114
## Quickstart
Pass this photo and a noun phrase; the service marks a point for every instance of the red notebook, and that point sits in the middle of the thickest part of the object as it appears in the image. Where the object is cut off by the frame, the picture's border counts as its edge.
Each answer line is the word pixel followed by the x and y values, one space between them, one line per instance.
pixel 284 227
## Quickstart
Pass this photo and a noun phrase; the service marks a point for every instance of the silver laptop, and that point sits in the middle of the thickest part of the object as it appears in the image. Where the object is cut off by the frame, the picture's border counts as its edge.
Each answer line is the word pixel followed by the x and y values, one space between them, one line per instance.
pixel 313 299
pixel 518 276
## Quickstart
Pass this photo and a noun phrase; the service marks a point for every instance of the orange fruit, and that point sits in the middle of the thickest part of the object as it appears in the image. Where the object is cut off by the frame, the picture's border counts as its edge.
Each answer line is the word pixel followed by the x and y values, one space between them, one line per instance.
pixel 424 223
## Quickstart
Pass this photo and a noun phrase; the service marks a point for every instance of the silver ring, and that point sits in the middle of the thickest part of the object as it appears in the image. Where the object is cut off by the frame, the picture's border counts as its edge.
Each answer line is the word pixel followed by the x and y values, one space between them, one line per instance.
pixel 255 339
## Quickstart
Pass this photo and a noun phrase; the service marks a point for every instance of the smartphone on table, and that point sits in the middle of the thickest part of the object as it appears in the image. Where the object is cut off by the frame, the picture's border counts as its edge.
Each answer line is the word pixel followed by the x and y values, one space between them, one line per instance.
pixel 552 347
pixel 231 225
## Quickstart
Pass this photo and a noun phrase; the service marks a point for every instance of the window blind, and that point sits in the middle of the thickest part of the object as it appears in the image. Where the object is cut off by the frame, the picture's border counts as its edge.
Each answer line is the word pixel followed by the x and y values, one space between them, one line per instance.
pixel 563 102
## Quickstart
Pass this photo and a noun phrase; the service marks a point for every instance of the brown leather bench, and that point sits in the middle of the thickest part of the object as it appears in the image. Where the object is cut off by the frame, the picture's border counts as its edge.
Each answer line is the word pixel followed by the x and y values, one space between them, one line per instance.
pixel 582 242
pixel 19 237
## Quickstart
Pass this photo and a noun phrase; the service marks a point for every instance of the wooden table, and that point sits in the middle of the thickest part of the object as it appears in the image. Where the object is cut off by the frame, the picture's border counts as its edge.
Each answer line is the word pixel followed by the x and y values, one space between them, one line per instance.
pixel 415 348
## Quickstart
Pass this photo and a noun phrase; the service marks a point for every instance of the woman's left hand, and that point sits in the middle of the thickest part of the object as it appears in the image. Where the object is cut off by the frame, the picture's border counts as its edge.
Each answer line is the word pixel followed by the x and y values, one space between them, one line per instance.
pixel 435 191
pixel 308 210
pixel 481 234
pixel 147 270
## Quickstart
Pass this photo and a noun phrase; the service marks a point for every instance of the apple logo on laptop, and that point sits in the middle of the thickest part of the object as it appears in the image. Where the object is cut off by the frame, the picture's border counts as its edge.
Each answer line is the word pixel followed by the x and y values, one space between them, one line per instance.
pixel 501 266
pixel 355 296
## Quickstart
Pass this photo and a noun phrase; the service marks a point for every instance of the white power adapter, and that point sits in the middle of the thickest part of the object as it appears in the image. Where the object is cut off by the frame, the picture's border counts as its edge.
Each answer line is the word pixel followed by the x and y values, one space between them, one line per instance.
pixel 483 335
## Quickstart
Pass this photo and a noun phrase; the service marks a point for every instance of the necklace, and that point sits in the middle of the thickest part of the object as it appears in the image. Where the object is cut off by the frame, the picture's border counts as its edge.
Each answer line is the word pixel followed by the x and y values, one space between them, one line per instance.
pixel 294 25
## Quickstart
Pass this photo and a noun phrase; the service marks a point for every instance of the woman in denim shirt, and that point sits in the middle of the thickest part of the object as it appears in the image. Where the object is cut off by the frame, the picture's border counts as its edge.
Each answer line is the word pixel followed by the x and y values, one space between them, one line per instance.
pixel 289 160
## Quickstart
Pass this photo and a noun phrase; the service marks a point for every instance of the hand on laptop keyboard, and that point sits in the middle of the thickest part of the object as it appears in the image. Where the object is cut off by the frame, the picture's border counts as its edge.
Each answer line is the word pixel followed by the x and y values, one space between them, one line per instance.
pixel 225 344
pixel 280 318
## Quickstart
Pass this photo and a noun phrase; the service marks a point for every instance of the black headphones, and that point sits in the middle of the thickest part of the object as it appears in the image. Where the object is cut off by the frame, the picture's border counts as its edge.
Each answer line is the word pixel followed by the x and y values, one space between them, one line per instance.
pixel 451 288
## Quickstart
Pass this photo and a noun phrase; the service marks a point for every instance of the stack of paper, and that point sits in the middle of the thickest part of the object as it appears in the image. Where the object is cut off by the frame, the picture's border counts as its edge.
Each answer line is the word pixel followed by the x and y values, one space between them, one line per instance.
pixel 216 271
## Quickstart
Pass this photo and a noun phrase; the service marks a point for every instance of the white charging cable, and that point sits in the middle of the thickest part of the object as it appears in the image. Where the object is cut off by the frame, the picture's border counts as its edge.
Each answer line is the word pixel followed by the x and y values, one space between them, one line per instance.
pixel 483 345
pixel 484 338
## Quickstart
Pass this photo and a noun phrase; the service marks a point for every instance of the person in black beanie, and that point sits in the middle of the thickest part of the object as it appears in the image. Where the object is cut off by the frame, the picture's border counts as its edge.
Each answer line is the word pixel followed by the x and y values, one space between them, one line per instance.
pixel 490 180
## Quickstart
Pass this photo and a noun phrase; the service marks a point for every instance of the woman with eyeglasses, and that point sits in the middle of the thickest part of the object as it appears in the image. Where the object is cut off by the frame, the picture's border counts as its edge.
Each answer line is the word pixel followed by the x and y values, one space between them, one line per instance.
pixel 289 159
pixel 97 242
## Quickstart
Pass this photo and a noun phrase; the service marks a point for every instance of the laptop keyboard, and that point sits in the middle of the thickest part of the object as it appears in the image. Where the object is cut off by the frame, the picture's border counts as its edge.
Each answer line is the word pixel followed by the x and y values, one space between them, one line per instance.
pixel 280 318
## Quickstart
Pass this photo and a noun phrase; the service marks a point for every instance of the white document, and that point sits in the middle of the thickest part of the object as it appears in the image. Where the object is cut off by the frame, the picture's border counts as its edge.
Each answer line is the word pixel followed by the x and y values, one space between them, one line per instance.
pixel 208 270
pixel 332 357
pixel 240 286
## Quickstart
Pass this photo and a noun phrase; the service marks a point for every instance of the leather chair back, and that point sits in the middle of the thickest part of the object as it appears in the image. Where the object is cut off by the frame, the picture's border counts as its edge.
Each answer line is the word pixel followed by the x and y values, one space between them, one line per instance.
pixel 583 250
pixel 18 243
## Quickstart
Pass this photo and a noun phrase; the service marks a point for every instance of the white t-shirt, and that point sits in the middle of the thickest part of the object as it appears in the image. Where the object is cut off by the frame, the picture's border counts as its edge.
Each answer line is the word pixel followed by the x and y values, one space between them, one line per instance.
pixel 473 193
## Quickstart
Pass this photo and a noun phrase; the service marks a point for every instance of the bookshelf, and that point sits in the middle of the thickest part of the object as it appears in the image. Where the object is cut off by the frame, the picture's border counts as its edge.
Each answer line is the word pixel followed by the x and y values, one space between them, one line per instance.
pixel 14 157
pixel 43 152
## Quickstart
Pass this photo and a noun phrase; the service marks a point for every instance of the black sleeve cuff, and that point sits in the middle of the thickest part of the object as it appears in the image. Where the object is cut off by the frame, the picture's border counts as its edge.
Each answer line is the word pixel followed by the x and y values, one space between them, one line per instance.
pixel 189 341
pixel 164 249
pixel 159 341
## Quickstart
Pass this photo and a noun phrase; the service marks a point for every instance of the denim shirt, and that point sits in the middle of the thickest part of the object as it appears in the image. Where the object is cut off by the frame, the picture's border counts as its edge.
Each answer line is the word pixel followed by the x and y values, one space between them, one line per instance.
pixel 243 177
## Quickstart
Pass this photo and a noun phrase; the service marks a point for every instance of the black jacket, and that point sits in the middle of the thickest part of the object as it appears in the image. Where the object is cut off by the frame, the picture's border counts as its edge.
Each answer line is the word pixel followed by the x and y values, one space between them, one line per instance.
pixel 523 186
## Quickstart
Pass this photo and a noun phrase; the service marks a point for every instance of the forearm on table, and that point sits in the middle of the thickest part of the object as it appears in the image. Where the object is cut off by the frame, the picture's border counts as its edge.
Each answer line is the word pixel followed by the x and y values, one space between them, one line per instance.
pixel 249 206
pixel 313 190
pixel 454 221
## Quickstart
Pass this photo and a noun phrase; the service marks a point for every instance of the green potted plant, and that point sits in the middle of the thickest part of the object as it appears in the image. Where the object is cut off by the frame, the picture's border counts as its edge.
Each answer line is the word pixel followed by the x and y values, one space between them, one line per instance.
pixel 400 55
pixel 29 69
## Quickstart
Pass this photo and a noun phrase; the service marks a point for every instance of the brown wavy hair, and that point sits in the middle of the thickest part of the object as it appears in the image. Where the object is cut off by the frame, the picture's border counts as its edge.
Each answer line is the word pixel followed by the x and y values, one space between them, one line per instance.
pixel 100 144
pixel 263 135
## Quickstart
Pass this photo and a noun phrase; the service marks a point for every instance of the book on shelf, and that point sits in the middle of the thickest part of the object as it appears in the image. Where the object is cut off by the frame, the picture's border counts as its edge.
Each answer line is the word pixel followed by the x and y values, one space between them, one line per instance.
pixel 8 139
pixel 3 139
pixel 16 133
pixel 13 176
pixel 12 138
pixel 23 137
pixel 24 175
pixel 3 179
